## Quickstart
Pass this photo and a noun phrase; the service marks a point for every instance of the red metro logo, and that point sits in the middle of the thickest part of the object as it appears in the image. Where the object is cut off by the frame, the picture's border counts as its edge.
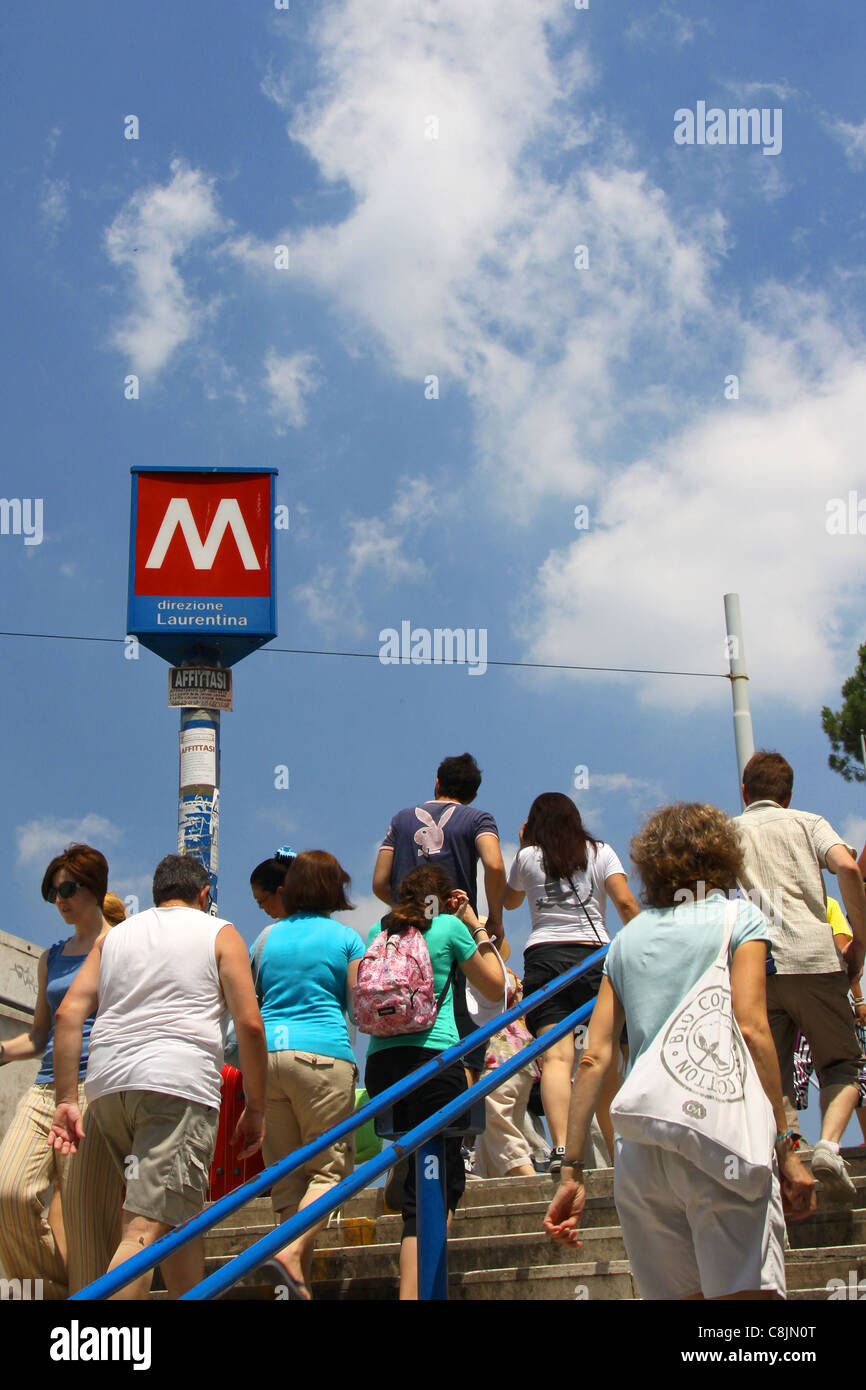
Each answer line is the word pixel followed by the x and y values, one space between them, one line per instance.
pixel 201 536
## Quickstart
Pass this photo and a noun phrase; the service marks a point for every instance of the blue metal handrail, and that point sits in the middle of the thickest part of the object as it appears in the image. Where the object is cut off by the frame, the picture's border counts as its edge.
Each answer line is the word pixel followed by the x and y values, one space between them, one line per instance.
pixel 138 1264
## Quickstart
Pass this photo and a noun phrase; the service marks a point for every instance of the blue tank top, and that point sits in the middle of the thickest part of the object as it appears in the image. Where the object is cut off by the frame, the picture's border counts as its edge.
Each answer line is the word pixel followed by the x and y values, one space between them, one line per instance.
pixel 61 972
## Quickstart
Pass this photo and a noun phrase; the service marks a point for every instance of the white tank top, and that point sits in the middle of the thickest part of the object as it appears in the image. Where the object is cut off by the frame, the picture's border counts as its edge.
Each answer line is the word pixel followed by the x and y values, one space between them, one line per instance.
pixel 159 1022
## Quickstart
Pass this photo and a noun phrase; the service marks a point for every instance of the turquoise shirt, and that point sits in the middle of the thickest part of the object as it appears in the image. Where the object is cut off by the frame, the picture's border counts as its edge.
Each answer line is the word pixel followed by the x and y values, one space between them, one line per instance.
pixel 302 983
pixel 448 940
pixel 654 961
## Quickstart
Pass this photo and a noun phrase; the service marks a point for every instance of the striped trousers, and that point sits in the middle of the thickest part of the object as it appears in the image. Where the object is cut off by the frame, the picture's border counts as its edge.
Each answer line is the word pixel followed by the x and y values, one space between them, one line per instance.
pixel 91 1192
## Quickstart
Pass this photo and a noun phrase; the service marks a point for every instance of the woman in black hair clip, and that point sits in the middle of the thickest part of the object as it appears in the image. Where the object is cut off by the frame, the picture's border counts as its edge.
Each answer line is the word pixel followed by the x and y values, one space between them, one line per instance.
pixel 266 881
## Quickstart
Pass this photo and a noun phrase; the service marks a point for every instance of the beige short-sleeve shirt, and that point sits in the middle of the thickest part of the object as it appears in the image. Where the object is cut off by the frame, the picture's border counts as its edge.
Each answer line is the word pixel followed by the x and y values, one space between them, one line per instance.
pixel 785 851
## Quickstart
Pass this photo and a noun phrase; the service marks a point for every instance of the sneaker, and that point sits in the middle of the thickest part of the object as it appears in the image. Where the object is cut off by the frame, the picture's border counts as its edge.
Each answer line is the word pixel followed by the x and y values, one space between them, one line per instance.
pixel 468 1162
pixel 554 1167
pixel 831 1170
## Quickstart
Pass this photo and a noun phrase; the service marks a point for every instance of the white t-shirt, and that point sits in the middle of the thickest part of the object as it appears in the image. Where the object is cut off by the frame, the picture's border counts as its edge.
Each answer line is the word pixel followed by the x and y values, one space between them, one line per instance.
pixel 557 915
pixel 159 1022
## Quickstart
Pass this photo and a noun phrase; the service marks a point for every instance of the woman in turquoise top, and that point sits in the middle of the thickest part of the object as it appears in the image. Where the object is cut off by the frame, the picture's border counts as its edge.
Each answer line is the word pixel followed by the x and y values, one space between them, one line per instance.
pixel 455 940
pixel 307 969
pixel 33 1246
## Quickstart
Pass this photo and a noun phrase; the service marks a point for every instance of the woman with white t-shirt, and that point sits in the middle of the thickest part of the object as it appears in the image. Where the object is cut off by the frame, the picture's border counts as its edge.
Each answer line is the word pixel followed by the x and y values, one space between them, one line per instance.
pixel 567 876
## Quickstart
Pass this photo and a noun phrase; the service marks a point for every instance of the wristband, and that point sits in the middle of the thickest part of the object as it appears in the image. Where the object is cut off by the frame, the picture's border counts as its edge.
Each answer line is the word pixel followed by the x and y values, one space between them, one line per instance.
pixel 791 1134
pixel 575 1164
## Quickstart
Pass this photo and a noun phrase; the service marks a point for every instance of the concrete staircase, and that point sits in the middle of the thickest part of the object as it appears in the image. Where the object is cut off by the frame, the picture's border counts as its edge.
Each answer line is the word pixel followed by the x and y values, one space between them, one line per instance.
pixel 498 1250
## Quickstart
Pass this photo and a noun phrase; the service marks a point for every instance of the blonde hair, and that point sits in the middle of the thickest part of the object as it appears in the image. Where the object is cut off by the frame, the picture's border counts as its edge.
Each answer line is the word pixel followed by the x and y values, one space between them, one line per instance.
pixel 113 909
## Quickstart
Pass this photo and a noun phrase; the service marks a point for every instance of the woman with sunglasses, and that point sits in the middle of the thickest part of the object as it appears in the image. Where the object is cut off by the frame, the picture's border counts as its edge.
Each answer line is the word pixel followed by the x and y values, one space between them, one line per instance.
pixel 567 876
pixel 33 1243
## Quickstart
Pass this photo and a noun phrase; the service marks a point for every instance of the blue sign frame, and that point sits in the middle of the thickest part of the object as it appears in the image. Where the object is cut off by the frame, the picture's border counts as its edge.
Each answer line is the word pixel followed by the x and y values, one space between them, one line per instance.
pixel 205 639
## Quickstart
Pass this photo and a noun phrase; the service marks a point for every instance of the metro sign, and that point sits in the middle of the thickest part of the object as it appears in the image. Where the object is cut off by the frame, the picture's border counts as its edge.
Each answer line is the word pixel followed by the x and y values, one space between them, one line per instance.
pixel 201 567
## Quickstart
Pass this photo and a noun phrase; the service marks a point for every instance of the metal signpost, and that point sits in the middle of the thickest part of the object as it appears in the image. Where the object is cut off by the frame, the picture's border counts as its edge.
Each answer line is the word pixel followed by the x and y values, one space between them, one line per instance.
pixel 202 595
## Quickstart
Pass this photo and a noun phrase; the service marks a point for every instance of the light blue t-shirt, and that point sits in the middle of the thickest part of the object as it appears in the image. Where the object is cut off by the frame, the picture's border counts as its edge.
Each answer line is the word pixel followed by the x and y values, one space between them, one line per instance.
pixel 449 942
pixel 302 983
pixel 654 961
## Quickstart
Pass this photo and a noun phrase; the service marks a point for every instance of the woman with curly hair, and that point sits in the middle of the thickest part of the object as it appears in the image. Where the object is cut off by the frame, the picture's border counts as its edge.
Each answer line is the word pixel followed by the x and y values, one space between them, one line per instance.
pixel 428 900
pixel 687 1235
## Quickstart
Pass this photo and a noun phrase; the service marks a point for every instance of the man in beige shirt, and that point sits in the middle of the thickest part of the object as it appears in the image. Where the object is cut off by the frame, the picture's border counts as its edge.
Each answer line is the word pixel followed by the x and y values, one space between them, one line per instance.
pixel 785 851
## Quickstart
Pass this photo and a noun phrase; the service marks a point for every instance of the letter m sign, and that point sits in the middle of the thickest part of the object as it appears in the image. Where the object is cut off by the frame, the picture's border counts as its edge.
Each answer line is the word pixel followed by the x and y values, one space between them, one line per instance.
pixel 202 561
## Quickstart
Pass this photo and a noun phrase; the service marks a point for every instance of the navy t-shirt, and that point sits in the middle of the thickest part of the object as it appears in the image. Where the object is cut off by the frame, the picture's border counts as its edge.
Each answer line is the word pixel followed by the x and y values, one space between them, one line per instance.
pixel 441 833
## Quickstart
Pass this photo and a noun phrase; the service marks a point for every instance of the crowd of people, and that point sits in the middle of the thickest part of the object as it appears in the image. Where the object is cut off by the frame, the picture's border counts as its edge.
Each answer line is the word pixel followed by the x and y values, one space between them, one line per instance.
pixel 111 1146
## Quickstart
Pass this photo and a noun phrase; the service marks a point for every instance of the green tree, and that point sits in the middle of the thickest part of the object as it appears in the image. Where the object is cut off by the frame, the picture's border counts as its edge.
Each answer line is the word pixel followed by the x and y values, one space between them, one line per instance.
pixel 843 728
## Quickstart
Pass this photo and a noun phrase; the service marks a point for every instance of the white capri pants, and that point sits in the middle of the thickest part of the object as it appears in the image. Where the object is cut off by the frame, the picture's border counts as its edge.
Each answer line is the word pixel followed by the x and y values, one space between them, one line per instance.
pixel 685 1233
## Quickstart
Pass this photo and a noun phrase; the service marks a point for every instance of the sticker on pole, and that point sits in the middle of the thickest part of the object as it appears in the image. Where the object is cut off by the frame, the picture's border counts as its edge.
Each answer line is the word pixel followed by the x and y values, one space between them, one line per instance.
pixel 199 687
pixel 198 750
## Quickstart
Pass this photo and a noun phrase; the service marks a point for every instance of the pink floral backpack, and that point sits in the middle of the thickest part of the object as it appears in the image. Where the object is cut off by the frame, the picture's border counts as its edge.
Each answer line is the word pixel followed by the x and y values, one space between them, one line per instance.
pixel 395 992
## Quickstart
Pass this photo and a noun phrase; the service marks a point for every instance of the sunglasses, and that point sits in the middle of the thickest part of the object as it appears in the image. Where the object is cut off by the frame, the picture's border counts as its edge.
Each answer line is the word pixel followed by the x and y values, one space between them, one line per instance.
pixel 66 889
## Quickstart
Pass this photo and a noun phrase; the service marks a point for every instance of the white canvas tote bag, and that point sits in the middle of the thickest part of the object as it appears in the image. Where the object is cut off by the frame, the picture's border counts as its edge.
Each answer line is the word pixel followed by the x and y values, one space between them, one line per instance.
pixel 695 1090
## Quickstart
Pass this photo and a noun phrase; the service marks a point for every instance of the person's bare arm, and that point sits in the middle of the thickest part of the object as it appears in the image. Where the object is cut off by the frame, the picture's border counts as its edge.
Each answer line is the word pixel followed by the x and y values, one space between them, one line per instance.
pixel 513 898
pixel 840 862
pixel 382 874
pixel 33 1042
pixel 622 897
pixel 79 1002
pixel 490 853
pixel 484 972
pixel 351 981
pixel 236 978
pixel 749 1001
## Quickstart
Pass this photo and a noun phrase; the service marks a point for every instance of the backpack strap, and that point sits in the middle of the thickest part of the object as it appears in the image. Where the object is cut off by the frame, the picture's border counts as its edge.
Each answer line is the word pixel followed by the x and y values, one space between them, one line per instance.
pixel 447 985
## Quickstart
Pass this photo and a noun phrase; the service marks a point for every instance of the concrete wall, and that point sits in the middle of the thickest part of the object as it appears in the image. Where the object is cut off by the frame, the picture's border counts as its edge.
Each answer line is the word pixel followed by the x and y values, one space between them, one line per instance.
pixel 18 961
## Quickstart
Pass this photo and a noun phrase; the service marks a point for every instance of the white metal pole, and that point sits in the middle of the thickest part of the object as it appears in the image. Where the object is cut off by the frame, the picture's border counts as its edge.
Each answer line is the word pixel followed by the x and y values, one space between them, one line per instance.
pixel 744 738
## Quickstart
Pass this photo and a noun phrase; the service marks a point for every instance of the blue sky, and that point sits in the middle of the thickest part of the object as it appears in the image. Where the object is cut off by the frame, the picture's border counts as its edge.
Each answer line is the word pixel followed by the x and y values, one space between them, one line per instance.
pixel 412 256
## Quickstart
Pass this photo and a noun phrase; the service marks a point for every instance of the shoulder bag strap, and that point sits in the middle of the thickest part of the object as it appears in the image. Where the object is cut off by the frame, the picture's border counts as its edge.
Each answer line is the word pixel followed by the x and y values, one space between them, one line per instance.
pixel 582 904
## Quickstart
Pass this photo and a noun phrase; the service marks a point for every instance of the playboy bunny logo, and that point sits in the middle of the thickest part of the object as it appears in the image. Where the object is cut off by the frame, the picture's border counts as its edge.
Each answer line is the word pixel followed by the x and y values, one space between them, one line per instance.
pixel 431 837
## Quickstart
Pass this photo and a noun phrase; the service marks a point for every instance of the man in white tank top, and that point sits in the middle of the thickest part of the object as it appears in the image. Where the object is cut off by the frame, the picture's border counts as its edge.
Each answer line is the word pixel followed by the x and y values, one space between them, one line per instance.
pixel 153 1076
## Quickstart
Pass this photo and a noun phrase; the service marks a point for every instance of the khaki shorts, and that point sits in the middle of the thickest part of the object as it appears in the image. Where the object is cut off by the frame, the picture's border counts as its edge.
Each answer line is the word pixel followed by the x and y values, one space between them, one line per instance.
pixel 308 1094
pixel 163 1147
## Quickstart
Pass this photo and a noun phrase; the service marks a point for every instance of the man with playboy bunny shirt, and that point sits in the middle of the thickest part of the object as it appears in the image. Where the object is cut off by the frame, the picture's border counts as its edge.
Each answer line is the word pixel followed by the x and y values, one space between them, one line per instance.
pixel 449 833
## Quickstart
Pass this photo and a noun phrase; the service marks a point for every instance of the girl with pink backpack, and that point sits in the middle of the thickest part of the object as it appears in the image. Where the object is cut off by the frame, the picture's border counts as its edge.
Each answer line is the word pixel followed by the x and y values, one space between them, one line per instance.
pixel 404 999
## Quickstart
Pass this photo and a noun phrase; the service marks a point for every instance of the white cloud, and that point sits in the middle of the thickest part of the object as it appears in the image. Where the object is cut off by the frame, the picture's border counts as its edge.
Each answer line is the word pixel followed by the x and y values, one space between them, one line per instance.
pixel 378 542
pixel 665 28
pixel 149 238
pixel 852 139
pixel 368 910
pixel 327 603
pixel 289 381
pixel 43 839
pixel 54 204
pixel 458 256
pixel 736 502
pixel 853 830
pixel 637 791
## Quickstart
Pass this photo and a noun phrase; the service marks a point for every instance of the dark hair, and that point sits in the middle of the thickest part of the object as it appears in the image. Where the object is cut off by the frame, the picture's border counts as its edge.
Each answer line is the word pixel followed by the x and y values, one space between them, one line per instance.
pixel 179 876
pixel 86 865
pixel 768 777
pixel 555 826
pixel 415 898
pixel 686 846
pixel 459 777
pixel 315 882
pixel 270 875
